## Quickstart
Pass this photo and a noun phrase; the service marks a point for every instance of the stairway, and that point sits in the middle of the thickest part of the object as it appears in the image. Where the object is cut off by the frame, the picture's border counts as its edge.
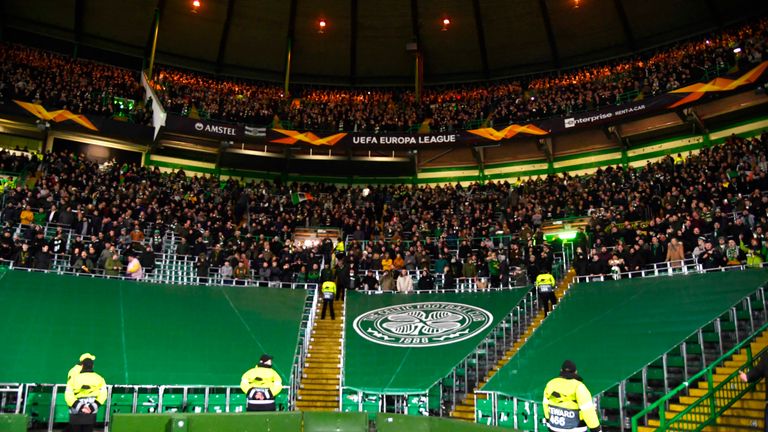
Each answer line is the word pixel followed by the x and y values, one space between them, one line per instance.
pixel 745 414
pixel 465 410
pixel 321 378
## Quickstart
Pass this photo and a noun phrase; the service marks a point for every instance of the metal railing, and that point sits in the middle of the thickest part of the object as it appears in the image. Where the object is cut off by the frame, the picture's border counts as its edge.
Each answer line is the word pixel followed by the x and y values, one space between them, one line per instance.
pixel 666 268
pixel 718 398
pixel 302 347
pixel 464 377
pixel 45 405
pixel 510 410
pixel 210 282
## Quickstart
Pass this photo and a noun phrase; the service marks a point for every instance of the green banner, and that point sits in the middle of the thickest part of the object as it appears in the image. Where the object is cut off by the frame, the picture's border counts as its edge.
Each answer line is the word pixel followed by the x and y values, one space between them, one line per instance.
pixel 613 329
pixel 406 343
pixel 143 333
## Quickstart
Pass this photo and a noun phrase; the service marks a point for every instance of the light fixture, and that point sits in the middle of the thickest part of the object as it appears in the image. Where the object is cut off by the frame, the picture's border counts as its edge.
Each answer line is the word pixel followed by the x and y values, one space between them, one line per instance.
pixel 446 23
pixel 737 50
pixel 195 6
pixel 576 4
pixel 321 24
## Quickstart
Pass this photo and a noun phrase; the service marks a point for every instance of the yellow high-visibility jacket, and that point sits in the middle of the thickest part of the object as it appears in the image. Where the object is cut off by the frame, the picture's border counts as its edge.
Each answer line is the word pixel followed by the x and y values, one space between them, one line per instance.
pixel 86 385
pixel 566 403
pixel 545 282
pixel 262 377
pixel 74 371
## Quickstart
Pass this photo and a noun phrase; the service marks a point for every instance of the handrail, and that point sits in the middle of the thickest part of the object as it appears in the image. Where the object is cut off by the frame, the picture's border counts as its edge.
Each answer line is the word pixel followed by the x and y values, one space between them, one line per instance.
pixel 343 352
pixel 685 384
pixel 707 372
pixel 302 347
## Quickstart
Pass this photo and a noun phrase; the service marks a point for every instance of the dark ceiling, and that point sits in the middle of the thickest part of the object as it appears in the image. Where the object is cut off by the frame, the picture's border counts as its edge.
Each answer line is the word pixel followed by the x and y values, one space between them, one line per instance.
pixel 365 40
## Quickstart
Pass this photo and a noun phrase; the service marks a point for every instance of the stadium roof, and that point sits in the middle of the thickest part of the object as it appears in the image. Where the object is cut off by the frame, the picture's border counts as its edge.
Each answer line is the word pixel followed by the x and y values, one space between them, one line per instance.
pixel 365 40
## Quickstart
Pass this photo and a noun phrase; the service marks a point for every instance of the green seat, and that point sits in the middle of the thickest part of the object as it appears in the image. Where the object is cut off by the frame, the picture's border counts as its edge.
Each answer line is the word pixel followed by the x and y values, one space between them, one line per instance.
pixel 173 402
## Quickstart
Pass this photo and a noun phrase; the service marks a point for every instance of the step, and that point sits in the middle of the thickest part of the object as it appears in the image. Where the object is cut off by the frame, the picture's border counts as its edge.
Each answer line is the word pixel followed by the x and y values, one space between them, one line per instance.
pixel 321 365
pixel 318 386
pixel 721 421
pixel 731 412
pixel 318 379
pixel 322 373
pixel 756 404
pixel 464 415
pixel 319 398
pixel 302 405
pixel 759 394
pixel 329 390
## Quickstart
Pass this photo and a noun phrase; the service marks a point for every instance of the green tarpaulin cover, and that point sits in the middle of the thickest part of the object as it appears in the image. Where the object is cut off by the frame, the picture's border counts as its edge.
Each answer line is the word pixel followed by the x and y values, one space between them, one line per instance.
pixel 613 329
pixel 406 343
pixel 142 333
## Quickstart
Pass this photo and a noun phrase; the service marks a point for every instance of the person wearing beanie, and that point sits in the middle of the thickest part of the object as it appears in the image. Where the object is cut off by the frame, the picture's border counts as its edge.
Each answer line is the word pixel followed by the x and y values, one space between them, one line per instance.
pixel 79 366
pixel 86 391
pixel 568 405
pixel 261 384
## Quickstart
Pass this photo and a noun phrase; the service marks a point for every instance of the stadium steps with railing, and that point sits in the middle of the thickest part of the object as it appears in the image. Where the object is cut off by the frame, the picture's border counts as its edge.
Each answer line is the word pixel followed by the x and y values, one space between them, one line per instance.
pixel 465 410
pixel 321 377
pixel 746 414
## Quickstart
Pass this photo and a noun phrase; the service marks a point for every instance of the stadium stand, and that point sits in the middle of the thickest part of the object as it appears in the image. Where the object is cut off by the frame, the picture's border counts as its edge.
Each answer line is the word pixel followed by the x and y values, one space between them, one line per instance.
pixel 668 257
pixel 465 106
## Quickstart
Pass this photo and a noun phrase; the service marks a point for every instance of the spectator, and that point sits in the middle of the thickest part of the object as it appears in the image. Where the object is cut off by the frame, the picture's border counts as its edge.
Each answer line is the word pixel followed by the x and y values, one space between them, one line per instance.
pixel 83 263
pixel 134 269
pixel 112 265
pixel 426 281
pixel 225 272
pixel 42 259
pixel 202 268
pixel 675 252
pixel 404 282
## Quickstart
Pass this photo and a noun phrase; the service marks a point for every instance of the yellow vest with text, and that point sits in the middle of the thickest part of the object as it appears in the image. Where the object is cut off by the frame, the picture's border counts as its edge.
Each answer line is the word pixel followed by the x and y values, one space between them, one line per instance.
pixel 567 402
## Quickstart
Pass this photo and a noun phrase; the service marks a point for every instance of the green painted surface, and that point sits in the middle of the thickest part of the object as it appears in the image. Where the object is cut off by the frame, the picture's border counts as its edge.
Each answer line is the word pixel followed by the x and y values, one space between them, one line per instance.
pixel 142 333
pixel 243 422
pixel 613 329
pixel 140 422
pixel 335 422
pixel 398 423
pixel 377 368
pixel 13 423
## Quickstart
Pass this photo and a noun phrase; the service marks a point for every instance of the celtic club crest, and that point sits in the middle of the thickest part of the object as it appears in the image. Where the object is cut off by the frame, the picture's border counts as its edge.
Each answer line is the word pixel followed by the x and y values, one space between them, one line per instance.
pixel 416 325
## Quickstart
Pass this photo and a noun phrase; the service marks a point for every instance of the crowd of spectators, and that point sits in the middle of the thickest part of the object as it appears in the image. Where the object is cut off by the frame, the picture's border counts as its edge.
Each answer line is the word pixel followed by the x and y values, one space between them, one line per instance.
pixel 458 107
pixel 709 206
pixel 57 81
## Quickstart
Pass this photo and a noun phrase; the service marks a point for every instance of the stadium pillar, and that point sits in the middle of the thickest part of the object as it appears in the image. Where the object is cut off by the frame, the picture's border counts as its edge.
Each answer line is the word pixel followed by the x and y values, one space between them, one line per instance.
pixel 154 44
pixel 287 82
pixel 419 75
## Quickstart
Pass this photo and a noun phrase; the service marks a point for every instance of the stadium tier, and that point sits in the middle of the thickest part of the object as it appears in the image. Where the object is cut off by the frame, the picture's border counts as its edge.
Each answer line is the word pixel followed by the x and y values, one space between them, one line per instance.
pixel 614 330
pixel 144 334
pixel 411 213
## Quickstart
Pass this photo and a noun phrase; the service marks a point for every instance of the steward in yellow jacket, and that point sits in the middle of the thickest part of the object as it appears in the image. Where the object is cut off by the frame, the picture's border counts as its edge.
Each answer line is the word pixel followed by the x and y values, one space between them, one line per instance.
pixel 568 405
pixel 545 285
pixel 261 384
pixel 86 392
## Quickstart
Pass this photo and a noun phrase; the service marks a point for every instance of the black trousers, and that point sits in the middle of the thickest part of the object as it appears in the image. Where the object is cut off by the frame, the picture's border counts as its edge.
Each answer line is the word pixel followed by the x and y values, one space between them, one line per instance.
pixel 340 291
pixel 81 422
pixel 547 300
pixel 327 302
pixel 261 407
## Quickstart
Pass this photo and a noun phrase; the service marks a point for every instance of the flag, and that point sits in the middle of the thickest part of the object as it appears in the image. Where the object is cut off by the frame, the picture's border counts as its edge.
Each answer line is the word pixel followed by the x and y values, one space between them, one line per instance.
pixel 301 197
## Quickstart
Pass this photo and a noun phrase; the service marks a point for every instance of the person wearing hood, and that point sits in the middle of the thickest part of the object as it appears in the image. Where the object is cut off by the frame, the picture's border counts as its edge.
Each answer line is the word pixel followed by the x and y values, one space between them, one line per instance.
pixel 568 405
pixel 261 384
